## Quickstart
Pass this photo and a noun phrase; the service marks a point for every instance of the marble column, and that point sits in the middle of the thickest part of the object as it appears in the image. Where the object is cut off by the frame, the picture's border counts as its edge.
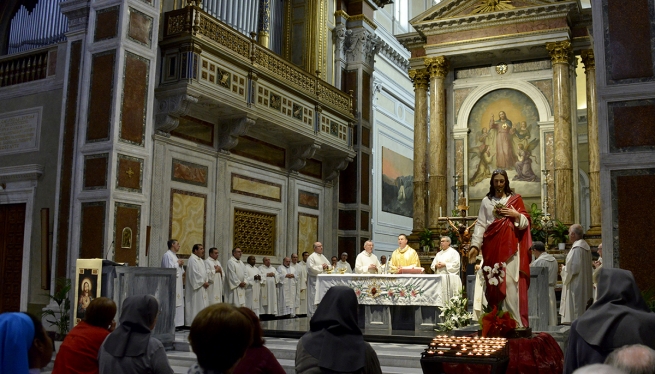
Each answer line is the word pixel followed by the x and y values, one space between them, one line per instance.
pixel 437 67
pixel 560 54
pixel 592 140
pixel 420 78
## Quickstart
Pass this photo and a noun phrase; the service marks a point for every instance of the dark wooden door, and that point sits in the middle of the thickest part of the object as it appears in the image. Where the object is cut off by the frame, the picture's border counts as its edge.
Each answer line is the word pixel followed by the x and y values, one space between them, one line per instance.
pixel 12 232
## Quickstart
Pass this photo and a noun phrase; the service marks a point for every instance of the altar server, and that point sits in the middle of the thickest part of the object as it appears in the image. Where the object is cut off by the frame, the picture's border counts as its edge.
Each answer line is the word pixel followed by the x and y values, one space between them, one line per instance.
pixel 268 296
pixel 288 295
pixel 196 284
pixel 577 287
pixel 215 275
pixel 235 287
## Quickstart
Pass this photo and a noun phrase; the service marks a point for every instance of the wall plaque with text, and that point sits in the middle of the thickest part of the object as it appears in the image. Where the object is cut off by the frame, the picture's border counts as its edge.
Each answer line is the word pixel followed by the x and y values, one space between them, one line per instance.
pixel 19 131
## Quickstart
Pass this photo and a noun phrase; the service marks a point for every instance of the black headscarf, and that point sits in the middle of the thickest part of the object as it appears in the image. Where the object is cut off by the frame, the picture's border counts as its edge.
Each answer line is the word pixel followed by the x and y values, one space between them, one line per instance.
pixel 131 338
pixel 619 316
pixel 335 339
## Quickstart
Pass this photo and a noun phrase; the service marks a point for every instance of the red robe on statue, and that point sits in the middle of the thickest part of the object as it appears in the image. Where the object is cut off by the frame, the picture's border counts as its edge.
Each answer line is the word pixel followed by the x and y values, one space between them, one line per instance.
pixel 502 239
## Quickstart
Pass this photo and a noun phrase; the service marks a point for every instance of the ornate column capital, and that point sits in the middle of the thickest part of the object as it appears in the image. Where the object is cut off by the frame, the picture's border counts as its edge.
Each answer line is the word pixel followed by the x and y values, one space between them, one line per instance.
pixel 420 78
pixel 587 56
pixel 560 52
pixel 437 66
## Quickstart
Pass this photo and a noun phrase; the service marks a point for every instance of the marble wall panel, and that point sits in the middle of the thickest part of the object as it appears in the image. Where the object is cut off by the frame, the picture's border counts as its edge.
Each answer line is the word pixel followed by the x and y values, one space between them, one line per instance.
pixel 460 96
pixel 365 170
pixel 129 173
pixel 630 126
pixel 248 186
pixel 313 168
pixel 523 66
pixel 260 151
pixel 632 240
pixel 188 172
pixel 307 232
pixel 549 153
pixel 347 219
pixel 255 232
pixel 474 72
pixel 364 221
pixel 100 96
pixel 366 96
pixel 348 194
pixel 366 137
pixel 106 24
pixel 510 28
pixel 308 199
pixel 95 171
pixel 135 94
pixel 140 28
pixel 546 87
pixel 196 130
pixel 127 220
pixel 187 219
pixel 348 245
pixel 629 41
pixel 92 230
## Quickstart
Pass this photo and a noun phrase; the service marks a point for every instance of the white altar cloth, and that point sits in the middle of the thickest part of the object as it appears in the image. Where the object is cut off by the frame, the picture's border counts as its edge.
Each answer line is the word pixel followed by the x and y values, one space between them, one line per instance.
pixel 389 289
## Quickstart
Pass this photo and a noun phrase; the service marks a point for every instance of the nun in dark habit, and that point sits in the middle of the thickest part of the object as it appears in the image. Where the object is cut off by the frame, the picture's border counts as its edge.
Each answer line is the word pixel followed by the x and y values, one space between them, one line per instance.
pixel 618 317
pixel 334 343
pixel 131 348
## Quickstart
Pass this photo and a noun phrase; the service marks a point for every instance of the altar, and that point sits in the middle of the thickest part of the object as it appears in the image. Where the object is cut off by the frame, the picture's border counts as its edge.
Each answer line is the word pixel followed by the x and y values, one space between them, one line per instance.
pixel 394 301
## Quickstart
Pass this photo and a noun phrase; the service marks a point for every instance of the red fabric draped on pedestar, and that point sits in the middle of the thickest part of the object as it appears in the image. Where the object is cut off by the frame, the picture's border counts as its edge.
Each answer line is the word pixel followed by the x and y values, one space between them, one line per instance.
pixel 501 241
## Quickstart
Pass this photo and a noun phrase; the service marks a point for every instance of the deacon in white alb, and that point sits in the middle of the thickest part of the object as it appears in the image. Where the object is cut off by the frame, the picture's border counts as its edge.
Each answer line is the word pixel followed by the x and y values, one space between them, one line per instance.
pixel 577 287
pixel 343 265
pixel 301 270
pixel 269 288
pixel 367 262
pixel 254 285
pixel 235 287
pixel 316 264
pixel 215 274
pixel 288 296
pixel 447 262
pixel 196 284
pixel 170 260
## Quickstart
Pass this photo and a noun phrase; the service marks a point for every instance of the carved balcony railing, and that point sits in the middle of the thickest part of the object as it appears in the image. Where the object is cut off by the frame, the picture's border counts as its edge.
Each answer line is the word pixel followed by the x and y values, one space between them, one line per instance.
pixel 193 22
pixel 26 67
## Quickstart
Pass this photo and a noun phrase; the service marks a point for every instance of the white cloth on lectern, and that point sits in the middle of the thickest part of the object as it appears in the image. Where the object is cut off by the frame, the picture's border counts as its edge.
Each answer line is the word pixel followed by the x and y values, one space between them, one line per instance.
pixel 288 292
pixel 236 273
pixel 170 261
pixel 195 293
pixel 215 289
pixel 268 297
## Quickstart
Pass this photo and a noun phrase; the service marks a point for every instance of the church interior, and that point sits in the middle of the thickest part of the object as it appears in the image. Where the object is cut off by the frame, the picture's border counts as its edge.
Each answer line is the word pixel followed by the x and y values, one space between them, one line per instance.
pixel 269 125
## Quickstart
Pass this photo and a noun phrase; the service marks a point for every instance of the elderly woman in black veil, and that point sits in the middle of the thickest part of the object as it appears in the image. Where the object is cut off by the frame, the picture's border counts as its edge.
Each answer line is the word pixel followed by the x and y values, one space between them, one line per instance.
pixel 130 348
pixel 335 343
pixel 618 317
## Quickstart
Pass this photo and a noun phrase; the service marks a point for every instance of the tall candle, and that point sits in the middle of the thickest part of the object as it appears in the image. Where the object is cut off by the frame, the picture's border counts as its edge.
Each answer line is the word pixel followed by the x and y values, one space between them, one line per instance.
pixel 440 214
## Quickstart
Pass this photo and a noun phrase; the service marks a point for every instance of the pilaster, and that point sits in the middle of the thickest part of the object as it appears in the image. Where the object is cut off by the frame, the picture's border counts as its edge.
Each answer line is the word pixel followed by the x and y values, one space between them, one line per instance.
pixel 592 139
pixel 420 78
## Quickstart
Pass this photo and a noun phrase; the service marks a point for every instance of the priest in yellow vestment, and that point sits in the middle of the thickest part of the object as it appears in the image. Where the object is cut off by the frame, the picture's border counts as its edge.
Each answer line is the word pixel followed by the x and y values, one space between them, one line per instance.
pixel 403 256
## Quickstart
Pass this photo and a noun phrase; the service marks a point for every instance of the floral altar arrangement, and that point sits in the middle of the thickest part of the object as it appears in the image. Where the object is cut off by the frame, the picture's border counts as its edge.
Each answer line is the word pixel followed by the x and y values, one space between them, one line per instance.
pixel 454 314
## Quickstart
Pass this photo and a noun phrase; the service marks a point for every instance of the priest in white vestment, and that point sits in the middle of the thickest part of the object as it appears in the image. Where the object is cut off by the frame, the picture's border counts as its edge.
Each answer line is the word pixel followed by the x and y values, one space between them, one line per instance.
pixel 254 282
pixel 268 297
pixel 546 260
pixel 288 296
pixel 577 286
pixel 316 264
pixel 342 265
pixel 384 265
pixel 171 261
pixel 301 271
pixel 367 262
pixel 403 256
pixel 215 275
pixel 447 263
pixel 197 283
pixel 235 286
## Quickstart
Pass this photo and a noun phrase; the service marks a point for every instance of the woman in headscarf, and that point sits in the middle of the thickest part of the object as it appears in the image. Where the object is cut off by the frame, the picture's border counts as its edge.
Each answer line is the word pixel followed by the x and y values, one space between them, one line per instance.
pixel 24 345
pixel 258 359
pixel 618 317
pixel 334 343
pixel 130 348
pixel 79 352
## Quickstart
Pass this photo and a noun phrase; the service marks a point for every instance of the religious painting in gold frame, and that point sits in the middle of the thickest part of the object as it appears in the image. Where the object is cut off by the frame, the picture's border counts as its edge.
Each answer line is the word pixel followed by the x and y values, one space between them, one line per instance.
pixel 187 219
pixel 87 284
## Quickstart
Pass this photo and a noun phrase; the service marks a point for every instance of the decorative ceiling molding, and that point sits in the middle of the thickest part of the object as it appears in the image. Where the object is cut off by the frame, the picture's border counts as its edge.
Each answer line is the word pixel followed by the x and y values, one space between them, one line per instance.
pixel 21 173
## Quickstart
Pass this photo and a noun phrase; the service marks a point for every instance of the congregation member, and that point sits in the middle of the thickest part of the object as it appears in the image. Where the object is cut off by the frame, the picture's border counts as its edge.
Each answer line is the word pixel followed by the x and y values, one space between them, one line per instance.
pixel 619 317
pixel 24 344
pixel 301 310
pixel 316 264
pixel 367 262
pixel 171 261
pixel 546 260
pixel 288 293
pixel 334 342
pixel 598 369
pixel 446 262
pixel 633 359
pixel 258 359
pixel 219 355
pixel 130 348
pixel 343 265
pixel 215 277
pixel 197 283
pixel 254 285
pixel 577 287
pixel 268 297
pixel 384 265
pixel 78 353
pixel 403 256
pixel 236 280
pixel 502 235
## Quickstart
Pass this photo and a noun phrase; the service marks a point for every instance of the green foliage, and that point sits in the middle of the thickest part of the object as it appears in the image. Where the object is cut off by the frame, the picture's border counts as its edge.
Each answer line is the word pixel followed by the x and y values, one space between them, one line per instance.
pixel 425 239
pixel 455 213
pixel 61 317
pixel 540 223
pixel 649 298
pixel 454 314
pixel 559 232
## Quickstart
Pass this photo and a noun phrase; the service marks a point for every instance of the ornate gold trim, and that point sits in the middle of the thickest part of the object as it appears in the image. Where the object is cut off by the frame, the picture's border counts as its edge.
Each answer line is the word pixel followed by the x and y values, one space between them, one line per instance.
pixel 488 38
pixel 361 17
pixel 488 6
pixel 420 78
pixel 560 52
pixel 587 56
pixel 437 66
pixel 342 13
